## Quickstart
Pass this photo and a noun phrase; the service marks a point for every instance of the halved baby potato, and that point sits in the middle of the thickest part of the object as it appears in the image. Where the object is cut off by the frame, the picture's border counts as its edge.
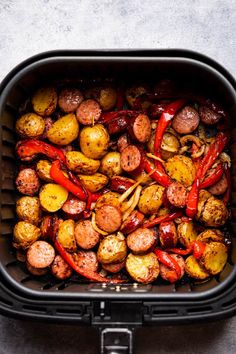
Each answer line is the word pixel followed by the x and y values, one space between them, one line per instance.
pixel 64 130
pixel 52 196
pixel 66 235
pixel 181 169
pixel 214 257
pixel 30 126
pixel 95 182
pixel 194 269
pixel 186 233
pixel 110 198
pixel 78 162
pixel 44 101
pixel 210 235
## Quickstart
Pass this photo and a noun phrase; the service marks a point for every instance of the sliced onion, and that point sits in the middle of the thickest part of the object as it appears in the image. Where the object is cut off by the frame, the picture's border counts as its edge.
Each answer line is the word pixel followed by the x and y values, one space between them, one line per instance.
pixel 134 204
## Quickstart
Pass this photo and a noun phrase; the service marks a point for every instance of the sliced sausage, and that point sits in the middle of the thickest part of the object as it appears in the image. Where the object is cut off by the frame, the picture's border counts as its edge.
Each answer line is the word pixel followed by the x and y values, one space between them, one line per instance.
pixel 186 120
pixel 46 227
pixel 88 112
pixel 177 194
pixel 85 235
pixel 118 125
pixel 168 234
pixel 208 116
pixel 120 184
pixel 141 240
pixel 168 274
pixel 132 222
pixel 219 187
pixel 156 109
pixel 87 260
pixel 122 142
pixel 27 182
pixel 70 99
pixel 130 158
pixel 73 208
pixel 40 254
pixel 114 267
pixel 60 269
pixel 36 271
pixel 108 218
pixel 142 128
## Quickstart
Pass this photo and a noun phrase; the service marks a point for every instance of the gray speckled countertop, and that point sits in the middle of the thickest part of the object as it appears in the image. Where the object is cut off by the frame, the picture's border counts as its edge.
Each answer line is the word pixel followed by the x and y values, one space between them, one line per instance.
pixel 28 27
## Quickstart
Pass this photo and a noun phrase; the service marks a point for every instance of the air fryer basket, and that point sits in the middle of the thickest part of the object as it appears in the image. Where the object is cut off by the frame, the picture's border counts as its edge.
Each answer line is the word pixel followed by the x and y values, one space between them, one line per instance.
pixel 24 295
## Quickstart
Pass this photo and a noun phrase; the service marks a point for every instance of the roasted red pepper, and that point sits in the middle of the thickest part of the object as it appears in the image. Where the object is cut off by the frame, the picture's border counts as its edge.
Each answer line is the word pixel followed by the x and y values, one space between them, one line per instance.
pixel 166 259
pixel 228 178
pixel 197 248
pixel 110 116
pixel 213 178
pixel 29 148
pixel 163 218
pixel 159 176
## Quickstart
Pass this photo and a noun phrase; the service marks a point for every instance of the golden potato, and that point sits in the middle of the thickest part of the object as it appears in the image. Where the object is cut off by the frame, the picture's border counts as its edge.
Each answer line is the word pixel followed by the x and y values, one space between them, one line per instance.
pixel 151 199
pixel 143 268
pixel 30 125
pixel 214 213
pixel 214 257
pixel 194 269
pixel 64 130
pixel 134 92
pixel 143 178
pixel 106 96
pixel 211 235
pixel 169 146
pixel 44 101
pixel 43 170
pixel 186 233
pixel 95 182
pixel 181 169
pixel 94 141
pixel 28 209
pixel 110 198
pixel 110 164
pixel 25 234
pixel 66 235
pixel 203 196
pixel 52 196
pixel 78 162
pixel 112 249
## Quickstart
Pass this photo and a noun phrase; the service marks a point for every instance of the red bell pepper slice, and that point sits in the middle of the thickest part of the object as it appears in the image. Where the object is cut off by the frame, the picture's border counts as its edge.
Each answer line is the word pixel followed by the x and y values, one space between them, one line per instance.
pixel 213 178
pixel 159 176
pixel 166 259
pixel 196 247
pixel 228 178
pixel 159 219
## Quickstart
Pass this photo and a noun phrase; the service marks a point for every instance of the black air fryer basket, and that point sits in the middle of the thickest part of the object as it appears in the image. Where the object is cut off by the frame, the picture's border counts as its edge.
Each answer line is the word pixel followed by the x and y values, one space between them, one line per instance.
pixel 115 309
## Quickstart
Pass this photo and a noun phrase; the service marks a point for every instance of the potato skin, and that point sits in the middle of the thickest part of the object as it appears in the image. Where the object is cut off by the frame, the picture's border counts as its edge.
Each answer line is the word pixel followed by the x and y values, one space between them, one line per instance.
pixel 186 233
pixel 110 164
pixel 169 146
pixel 194 269
pixel 43 170
pixel 181 169
pixel 28 209
pixel 44 101
pixel 214 213
pixel 112 249
pixel 30 125
pixel 78 162
pixel 151 199
pixel 211 235
pixel 64 130
pixel 52 196
pixel 95 182
pixel 143 268
pixel 110 198
pixel 214 257
pixel 94 141
pixel 25 234
pixel 66 235
pixel 106 96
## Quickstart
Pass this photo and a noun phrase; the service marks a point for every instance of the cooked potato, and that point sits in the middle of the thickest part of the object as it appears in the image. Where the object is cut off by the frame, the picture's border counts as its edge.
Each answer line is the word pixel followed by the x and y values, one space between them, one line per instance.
pixel 134 92
pixel 213 213
pixel 66 235
pixel 214 257
pixel 64 130
pixel 194 269
pixel 186 233
pixel 151 199
pixel 143 178
pixel 95 182
pixel 52 196
pixel 110 198
pixel 211 235
pixel 28 209
pixel 143 268
pixel 163 211
pixel 203 196
pixel 78 162
pixel 106 96
pixel 43 170
pixel 169 146
pixel 30 125
pixel 25 234
pixel 181 169
pixel 44 101
pixel 112 249
pixel 94 141
pixel 110 164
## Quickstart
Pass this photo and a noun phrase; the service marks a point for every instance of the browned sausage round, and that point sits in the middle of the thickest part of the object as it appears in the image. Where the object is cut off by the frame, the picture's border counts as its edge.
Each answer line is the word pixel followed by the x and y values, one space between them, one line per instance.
pixel 141 240
pixel 132 222
pixel 118 125
pixel 27 182
pixel 120 184
pixel 108 218
pixel 60 269
pixel 122 142
pixel 168 234
pixel 177 194
pixel 88 112
pixel 73 208
pixel 70 99
pixel 130 158
pixel 219 187
pixel 208 116
pixel 40 254
pixel 36 271
pixel 46 227
pixel 114 267
pixel 186 121
pixel 142 128
pixel 87 260
pixel 85 235
pixel 168 274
